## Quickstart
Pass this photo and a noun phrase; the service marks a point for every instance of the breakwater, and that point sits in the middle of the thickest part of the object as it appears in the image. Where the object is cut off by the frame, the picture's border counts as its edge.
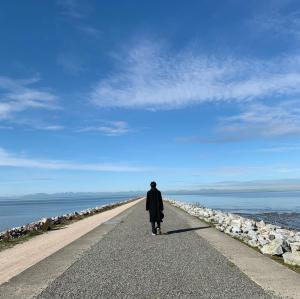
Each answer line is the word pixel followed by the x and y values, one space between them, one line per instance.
pixel 46 224
pixel 268 238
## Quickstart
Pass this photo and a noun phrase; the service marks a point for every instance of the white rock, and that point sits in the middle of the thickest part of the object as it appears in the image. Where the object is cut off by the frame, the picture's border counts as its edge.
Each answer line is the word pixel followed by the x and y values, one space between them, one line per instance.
pixel 253 235
pixel 295 247
pixel 273 248
pixel 262 241
pixel 291 258
pixel 253 243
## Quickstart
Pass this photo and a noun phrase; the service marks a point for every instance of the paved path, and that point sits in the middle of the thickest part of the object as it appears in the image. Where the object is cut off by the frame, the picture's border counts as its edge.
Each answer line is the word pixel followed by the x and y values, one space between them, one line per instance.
pixel 130 263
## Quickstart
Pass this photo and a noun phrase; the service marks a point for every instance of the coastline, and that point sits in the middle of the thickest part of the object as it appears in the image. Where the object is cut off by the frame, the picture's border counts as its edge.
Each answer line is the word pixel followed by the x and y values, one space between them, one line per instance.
pixel 24 255
pixel 16 235
pixel 283 245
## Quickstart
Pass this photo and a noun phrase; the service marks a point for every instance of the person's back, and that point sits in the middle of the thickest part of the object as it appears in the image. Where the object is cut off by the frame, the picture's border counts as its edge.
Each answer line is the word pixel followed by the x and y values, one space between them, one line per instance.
pixel 154 205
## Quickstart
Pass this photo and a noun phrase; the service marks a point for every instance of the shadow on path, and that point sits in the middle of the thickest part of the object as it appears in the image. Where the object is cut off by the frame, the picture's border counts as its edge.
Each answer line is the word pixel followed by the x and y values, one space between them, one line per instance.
pixel 182 230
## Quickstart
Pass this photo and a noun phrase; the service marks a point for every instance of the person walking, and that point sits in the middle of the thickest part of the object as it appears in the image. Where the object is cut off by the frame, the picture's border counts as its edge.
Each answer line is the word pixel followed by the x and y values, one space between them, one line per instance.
pixel 154 205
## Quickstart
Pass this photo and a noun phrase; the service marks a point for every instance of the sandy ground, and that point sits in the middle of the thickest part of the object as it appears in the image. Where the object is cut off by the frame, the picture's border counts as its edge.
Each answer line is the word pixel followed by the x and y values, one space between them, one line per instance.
pixel 22 256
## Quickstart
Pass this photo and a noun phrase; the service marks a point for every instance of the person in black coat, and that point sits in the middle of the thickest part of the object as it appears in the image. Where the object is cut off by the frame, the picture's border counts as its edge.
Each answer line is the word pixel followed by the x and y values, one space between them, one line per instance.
pixel 154 205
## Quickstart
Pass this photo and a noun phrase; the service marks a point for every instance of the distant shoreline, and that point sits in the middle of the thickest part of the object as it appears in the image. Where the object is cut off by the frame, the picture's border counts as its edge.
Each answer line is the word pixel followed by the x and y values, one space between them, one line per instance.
pixel 16 235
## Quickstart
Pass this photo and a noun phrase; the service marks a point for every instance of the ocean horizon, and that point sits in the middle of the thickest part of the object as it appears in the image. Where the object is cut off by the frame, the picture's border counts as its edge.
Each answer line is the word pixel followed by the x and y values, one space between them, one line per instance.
pixel 277 207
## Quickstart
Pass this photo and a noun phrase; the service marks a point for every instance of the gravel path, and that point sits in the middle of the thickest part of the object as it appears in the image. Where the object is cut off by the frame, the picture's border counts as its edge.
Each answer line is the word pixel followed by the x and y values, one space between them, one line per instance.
pixel 131 263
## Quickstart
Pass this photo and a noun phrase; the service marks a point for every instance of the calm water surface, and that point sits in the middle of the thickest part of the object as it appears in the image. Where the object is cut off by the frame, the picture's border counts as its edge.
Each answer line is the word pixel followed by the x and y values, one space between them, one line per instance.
pixel 281 208
pixel 20 211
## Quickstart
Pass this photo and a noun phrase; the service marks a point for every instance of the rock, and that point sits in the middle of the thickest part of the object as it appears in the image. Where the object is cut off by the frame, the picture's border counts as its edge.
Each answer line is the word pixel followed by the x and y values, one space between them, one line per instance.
pixel 273 248
pixel 7 236
pixel 46 224
pixel 253 235
pixel 292 258
pixel 260 224
pixel 270 227
pixel 262 241
pixel 271 237
pixel 295 247
pixel 253 243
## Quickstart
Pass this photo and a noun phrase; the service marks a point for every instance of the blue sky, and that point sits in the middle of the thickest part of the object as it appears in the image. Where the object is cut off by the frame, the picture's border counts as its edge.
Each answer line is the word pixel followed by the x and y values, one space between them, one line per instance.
pixel 107 96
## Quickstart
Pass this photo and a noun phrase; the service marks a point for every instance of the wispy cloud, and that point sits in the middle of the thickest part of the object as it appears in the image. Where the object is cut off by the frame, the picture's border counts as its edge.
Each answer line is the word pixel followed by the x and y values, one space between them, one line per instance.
pixel 255 121
pixel 261 120
pixel 109 128
pixel 78 12
pixel 73 8
pixel 151 77
pixel 19 95
pixel 51 127
pixel 279 18
pixel 279 149
pixel 13 160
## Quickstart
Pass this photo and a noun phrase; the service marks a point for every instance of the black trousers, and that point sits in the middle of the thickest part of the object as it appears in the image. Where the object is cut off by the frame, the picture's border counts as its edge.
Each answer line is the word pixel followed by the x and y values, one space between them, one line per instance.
pixel 153 226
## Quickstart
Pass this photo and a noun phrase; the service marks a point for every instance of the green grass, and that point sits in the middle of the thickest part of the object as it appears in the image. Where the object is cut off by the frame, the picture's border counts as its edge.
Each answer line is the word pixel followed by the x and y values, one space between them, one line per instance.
pixel 12 242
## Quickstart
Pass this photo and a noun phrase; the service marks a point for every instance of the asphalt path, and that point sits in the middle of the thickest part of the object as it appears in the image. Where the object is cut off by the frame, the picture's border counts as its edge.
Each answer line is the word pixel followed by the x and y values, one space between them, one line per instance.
pixel 128 262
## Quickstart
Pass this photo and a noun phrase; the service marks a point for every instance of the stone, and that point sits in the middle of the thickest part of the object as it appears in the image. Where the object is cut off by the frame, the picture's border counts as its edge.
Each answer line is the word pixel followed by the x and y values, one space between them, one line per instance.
pixel 262 241
pixel 252 234
pixel 295 247
pixel 273 248
pixel 253 243
pixel 292 258
pixel 271 237
pixel 46 224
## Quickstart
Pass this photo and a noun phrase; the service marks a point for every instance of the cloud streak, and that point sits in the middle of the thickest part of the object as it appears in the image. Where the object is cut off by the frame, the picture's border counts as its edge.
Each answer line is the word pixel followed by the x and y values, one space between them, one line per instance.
pixel 261 120
pixel 19 95
pixel 109 128
pixel 11 160
pixel 255 121
pixel 150 77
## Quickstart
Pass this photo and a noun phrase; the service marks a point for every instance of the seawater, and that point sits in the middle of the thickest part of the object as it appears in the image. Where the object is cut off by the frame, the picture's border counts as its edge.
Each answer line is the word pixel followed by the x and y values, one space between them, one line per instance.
pixel 19 211
pixel 280 208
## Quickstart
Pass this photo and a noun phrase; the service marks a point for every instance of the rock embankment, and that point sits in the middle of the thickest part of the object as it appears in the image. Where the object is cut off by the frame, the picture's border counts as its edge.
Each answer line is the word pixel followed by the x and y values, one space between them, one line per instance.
pixel 46 224
pixel 268 238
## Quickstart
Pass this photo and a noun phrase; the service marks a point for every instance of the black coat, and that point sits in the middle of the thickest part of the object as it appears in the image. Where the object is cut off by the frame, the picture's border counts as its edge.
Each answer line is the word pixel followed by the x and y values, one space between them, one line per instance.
pixel 154 205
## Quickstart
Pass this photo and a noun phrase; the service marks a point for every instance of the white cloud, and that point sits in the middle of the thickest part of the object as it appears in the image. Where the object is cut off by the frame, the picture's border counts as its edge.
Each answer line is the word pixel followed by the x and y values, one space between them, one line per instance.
pixel 256 121
pixel 150 77
pixel 51 127
pixel 260 120
pixel 12 160
pixel 277 18
pixel 73 8
pixel 109 128
pixel 279 149
pixel 18 95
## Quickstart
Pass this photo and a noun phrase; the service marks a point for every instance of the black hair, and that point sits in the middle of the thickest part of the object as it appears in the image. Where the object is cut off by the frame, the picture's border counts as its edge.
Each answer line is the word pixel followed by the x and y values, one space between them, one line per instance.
pixel 153 184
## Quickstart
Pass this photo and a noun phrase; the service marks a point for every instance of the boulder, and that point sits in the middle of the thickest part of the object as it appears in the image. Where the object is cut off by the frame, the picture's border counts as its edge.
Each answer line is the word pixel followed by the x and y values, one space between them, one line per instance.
pixel 253 243
pixel 262 241
pixel 273 248
pixel 292 258
pixel 253 235
pixel 295 247
pixel 46 224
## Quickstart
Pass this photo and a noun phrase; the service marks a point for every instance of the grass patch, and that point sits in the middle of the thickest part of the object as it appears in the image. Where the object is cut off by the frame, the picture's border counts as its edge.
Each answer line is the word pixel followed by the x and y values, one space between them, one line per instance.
pixel 14 241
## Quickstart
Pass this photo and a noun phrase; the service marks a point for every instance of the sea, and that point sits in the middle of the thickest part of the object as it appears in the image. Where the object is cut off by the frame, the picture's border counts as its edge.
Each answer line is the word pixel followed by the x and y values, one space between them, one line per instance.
pixel 277 207
pixel 23 210
pixel 280 208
